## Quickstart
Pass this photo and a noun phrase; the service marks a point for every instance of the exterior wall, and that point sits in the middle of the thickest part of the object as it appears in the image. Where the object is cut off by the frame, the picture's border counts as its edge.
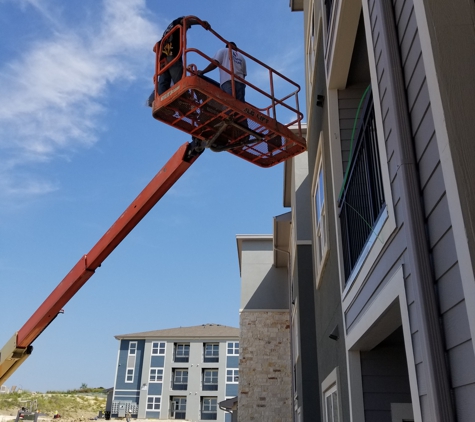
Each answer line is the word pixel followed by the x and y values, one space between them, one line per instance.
pixel 331 353
pixel 263 285
pixel 265 375
pixel 378 392
pixel 264 363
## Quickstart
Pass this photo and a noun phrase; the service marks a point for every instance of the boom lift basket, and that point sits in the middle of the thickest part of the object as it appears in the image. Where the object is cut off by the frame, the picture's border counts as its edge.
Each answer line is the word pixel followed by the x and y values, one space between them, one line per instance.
pixel 199 107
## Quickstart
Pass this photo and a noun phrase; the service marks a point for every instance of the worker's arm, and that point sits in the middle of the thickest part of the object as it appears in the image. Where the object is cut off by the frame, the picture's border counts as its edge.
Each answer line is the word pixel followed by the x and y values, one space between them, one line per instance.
pixel 195 21
pixel 213 65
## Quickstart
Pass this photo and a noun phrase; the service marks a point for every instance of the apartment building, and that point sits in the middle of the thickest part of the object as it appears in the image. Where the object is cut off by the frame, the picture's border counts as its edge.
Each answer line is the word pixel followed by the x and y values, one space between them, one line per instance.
pixel 381 215
pixel 178 373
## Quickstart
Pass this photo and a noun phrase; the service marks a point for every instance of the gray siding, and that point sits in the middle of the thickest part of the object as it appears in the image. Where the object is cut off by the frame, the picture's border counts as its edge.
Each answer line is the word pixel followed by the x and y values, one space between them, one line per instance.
pixel 385 378
pixel 441 239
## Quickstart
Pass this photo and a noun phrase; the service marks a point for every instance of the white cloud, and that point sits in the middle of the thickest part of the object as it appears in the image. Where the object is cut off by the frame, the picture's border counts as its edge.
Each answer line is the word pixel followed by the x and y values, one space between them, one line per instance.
pixel 53 94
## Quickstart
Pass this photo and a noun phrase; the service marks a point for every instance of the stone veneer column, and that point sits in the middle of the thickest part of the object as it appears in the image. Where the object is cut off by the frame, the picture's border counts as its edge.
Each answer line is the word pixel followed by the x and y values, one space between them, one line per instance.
pixel 265 374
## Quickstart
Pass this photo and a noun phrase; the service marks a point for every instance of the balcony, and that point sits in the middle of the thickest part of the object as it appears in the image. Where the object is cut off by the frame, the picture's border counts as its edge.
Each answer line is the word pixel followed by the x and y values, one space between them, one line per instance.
pixel 362 197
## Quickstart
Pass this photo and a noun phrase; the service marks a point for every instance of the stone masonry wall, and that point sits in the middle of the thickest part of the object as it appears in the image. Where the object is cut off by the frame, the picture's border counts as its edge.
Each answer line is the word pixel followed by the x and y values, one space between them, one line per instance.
pixel 265 375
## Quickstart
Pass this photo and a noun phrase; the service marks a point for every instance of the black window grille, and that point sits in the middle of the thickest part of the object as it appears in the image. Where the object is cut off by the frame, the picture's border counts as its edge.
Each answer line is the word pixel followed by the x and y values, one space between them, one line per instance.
pixel 362 198
pixel 328 10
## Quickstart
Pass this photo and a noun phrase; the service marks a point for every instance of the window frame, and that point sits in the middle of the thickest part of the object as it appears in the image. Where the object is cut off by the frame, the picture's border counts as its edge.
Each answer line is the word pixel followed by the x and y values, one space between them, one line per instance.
pixel 158 350
pixel 321 243
pixel 157 375
pixel 329 387
pixel 332 394
pixel 209 386
pixel 233 373
pixel 127 375
pixel 231 346
pixel 154 398
pixel 214 357
pixel 178 380
pixel 182 371
pixel 181 355
pixel 213 407
pixel 312 38
pixel 134 349
pixel 181 401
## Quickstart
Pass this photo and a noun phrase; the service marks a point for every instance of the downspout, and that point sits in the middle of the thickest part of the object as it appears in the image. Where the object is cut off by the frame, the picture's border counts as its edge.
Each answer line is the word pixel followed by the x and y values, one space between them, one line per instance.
pixel 417 256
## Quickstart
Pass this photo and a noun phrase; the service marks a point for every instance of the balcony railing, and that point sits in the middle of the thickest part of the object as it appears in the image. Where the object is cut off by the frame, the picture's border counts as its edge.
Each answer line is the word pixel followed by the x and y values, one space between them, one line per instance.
pixel 362 198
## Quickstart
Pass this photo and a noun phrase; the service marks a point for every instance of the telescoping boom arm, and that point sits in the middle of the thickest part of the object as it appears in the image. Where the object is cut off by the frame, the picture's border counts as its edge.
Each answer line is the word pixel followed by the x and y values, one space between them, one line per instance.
pixel 19 347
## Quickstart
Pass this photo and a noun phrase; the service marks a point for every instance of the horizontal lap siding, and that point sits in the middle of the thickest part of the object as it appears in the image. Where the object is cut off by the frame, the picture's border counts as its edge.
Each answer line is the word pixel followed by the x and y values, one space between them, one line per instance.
pixel 384 383
pixel 441 240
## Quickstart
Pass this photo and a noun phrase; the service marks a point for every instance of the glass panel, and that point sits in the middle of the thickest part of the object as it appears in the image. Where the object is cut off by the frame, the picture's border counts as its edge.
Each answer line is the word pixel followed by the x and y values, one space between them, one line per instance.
pixel 329 409
pixel 335 406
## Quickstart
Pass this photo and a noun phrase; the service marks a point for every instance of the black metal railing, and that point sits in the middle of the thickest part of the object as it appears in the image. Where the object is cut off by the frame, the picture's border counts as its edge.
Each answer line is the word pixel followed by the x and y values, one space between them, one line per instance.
pixel 362 198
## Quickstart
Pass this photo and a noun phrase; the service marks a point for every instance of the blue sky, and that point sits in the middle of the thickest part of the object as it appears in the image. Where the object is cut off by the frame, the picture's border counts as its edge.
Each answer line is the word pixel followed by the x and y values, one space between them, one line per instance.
pixel 78 144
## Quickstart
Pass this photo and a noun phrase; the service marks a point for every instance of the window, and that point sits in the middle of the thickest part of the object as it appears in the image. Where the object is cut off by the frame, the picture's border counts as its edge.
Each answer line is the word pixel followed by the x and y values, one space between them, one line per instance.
pixel 311 44
pixel 132 348
pixel 211 352
pixel 328 12
pixel 209 408
pixel 158 348
pixel 210 379
pixel 232 376
pixel 331 405
pixel 129 375
pixel 156 375
pixel 182 352
pixel 180 379
pixel 233 348
pixel 153 403
pixel 178 408
pixel 320 219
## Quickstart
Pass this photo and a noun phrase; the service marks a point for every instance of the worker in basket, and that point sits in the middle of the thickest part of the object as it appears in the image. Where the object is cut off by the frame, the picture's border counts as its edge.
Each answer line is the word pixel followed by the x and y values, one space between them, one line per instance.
pixel 169 51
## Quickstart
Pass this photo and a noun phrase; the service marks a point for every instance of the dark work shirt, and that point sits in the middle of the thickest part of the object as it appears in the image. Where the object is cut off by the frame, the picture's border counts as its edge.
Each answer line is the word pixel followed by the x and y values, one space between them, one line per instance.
pixel 172 43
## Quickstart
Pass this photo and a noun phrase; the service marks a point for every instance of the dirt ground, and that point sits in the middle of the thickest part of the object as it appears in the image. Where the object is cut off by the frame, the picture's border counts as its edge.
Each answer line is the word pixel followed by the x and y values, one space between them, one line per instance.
pixel 10 415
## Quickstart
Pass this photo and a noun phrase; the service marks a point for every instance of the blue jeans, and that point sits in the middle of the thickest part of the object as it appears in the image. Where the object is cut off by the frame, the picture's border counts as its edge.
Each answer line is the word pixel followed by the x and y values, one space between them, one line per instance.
pixel 174 73
pixel 240 89
pixel 238 86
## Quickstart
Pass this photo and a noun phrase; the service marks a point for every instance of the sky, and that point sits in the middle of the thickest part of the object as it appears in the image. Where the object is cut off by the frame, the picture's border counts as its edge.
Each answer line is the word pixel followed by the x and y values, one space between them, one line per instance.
pixel 78 144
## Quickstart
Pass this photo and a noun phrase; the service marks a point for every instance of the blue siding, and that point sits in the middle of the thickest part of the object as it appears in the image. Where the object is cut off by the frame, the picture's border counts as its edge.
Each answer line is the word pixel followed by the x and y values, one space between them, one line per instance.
pixel 120 383
pixel 231 390
pixel 155 389
pixel 131 396
pixel 232 361
pixel 152 415
pixel 157 362
pixel 227 417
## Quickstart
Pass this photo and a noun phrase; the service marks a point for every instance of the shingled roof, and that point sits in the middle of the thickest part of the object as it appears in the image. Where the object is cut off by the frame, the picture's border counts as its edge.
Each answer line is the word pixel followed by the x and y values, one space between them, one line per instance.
pixel 199 331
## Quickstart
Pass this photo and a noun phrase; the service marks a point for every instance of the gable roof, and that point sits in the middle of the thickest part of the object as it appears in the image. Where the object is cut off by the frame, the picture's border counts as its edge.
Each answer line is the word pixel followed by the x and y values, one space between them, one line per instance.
pixel 207 331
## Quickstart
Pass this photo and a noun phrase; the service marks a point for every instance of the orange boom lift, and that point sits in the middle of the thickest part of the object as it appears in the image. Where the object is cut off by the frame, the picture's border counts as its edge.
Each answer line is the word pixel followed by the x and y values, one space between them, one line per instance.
pixel 216 120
